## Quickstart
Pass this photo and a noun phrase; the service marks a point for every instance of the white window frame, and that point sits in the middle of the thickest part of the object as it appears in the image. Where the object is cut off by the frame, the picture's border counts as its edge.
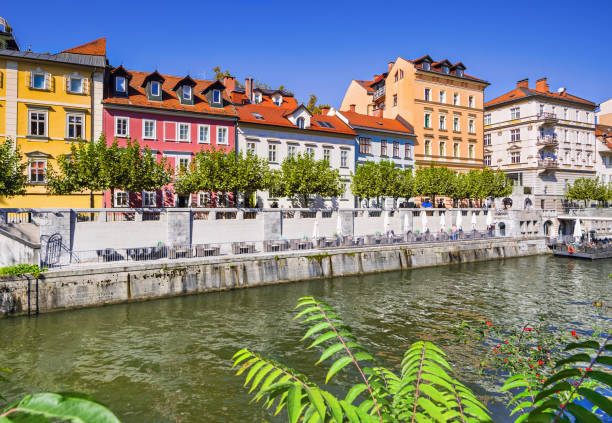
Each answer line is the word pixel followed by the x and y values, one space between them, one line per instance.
pixel 515 157
pixel 144 195
pixel 456 99
pixel 291 150
pixel 471 151
pixel 442 122
pixel 200 140
pixel 158 85
pixel 216 96
pixel 46 114
pixel 487 139
pixel 442 148
pixel 515 113
pixel 487 119
pixel 300 122
pixel 73 114
pixel 69 84
pixel 44 162
pixel 343 158
pixel 427 122
pixel 407 151
pixel 127 127
pixel 45 77
pixel 127 198
pixel 456 149
pixel 251 148
pixel 178 132
pixel 272 153
pixel 427 94
pixel 144 132
pixel 187 90
pixel 487 160
pixel 442 96
pixel 471 101
pixel 177 158
pixel 427 148
pixel 471 126
pixel 120 78
pixel 456 123
pixel 222 140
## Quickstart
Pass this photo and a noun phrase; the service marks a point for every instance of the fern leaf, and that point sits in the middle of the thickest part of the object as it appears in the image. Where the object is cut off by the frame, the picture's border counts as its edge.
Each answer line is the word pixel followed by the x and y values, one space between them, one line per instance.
pixel 576 358
pixel 253 370
pixel 337 366
pixel 316 328
pixel 559 387
pixel 563 374
pixel 604 359
pixel 334 406
pixel 582 414
pixel 597 399
pixel 586 344
pixel 260 375
pixel 431 409
pixel 294 403
pixel 354 392
pixel 600 376
pixel 350 412
pixel 331 350
pixel 316 399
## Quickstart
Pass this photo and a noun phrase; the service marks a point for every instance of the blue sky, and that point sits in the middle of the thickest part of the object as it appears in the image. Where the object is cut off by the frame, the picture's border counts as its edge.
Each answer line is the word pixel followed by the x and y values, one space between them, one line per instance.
pixel 320 48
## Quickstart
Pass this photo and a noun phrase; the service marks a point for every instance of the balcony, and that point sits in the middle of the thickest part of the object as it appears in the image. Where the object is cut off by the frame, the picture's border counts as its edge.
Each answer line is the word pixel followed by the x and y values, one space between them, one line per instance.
pixel 379 93
pixel 547 141
pixel 547 117
pixel 548 163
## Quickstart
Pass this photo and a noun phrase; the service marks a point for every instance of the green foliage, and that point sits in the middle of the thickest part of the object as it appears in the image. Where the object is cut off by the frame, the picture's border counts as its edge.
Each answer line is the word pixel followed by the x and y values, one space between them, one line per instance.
pixel 303 176
pixel 425 390
pixel 362 185
pixel 382 179
pixel 589 189
pixel 434 181
pixel 313 106
pixel 22 269
pixel 219 74
pixel 13 176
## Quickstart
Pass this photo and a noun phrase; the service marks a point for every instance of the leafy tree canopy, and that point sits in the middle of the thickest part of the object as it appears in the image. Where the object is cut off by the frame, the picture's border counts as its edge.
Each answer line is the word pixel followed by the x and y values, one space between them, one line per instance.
pixel 13 176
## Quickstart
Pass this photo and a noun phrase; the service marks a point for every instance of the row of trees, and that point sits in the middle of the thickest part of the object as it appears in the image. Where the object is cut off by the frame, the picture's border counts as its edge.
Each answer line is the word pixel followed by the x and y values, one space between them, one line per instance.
pixel 384 179
pixel 589 189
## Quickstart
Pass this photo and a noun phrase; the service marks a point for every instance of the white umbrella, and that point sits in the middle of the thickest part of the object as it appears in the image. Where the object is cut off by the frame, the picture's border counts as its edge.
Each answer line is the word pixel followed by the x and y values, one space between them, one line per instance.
pixel 315 231
pixel 406 222
pixel 424 220
pixel 386 221
pixel 473 220
pixel 577 229
pixel 458 223
pixel 339 225
pixel 442 220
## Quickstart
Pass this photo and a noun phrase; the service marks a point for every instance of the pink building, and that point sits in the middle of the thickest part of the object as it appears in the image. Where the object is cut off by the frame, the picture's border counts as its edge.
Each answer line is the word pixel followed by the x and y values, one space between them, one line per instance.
pixel 174 117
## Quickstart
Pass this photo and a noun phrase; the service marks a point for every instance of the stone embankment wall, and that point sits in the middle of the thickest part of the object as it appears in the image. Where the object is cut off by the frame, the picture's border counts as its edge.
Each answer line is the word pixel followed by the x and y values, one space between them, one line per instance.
pixel 109 284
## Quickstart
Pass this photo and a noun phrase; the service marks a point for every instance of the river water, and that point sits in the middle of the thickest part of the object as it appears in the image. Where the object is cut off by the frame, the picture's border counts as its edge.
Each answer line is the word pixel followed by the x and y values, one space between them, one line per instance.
pixel 169 360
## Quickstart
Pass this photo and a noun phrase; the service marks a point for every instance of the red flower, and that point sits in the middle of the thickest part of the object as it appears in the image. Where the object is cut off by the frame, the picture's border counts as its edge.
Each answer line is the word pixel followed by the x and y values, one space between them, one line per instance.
pixel 506 342
pixel 537 375
pixel 541 363
pixel 531 366
pixel 562 405
pixel 588 369
pixel 527 329
pixel 539 348
pixel 574 334
pixel 499 346
pixel 575 383
pixel 489 323
pixel 543 380
pixel 506 360
pixel 520 360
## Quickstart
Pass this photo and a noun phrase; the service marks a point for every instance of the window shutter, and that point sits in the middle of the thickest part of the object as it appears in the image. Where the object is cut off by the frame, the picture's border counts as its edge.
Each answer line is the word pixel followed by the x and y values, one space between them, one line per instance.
pixel 85 85
pixel 66 81
pixel 29 79
pixel 48 81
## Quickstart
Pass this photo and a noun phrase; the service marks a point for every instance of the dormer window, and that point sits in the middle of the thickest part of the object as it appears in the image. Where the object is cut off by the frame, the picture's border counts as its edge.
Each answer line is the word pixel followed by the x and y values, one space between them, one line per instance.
pixel 278 100
pixel 300 122
pixel 186 93
pixel 444 69
pixel 120 86
pixel 257 98
pixel 426 66
pixel 459 72
pixel 155 88
pixel 216 96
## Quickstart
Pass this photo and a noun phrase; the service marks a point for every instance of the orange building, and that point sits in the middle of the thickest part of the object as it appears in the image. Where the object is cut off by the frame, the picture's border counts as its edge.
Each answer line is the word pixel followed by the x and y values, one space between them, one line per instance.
pixel 442 103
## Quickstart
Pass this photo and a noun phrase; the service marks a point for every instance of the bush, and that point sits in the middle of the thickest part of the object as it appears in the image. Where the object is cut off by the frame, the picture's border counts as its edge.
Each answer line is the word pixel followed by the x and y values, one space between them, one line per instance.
pixel 22 269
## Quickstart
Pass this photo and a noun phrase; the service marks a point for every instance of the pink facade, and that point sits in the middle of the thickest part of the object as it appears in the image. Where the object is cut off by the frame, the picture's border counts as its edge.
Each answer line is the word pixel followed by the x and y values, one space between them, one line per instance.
pixel 174 135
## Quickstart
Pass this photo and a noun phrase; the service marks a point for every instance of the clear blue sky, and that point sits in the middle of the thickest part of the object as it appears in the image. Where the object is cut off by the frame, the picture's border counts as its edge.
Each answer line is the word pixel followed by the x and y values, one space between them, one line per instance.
pixel 320 48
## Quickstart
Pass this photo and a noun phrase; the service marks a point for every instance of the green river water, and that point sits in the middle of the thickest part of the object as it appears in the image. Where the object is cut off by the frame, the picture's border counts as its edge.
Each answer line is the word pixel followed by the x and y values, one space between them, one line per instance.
pixel 169 360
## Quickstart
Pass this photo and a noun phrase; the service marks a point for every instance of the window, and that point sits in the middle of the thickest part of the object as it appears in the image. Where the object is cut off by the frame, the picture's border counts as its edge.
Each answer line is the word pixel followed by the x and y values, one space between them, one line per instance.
pixel 222 135
pixel 75 85
pixel 383 147
pixel 204 199
pixel 216 96
pixel 487 160
pixel 487 139
pixel 456 124
pixel 471 101
pixel 428 120
pixel 38 123
pixel 120 84
pixel 456 149
pixel 541 109
pixel 565 137
pixel 427 147
pixel 155 89
pixel 203 134
pixel 427 94
pixel 257 98
pixel 182 132
pixel 278 100
pixel 445 69
pixel 122 125
pixel 394 100
pixel 577 115
pixel 407 151
pixel 310 151
pixel 586 119
pixel 327 155
pixel 471 150
pixel 456 99
pixel 251 148
pixel 121 199
pixel 515 157
pixel 39 81
pixel 148 199
pixel 471 128
pixel 74 125
pixel 148 129
pixel 187 92
pixel 181 164
pixel 459 72
pixel 426 65
pixel 291 150
pixel 515 113
pixel 565 114
pixel 37 171
pixel 442 122
pixel 442 148
pixel 401 74
pixel 396 149
pixel 487 119
pixel 272 153
pixel 300 122
pixel 343 158
pixel 365 145
pixel 515 135
pixel 396 76
pixel 442 96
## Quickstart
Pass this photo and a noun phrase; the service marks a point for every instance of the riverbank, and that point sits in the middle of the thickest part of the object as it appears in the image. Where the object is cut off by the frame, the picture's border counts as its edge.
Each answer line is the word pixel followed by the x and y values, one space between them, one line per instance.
pixel 109 283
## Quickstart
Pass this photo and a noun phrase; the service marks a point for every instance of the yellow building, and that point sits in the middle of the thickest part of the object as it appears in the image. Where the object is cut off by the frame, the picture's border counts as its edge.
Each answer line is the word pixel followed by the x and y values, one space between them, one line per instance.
pixel 441 101
pixel 47 102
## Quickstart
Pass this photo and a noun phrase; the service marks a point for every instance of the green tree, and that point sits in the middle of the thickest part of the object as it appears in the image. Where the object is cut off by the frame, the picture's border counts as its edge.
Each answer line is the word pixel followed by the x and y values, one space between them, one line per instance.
pixel 361 185
pixel 303 177
pixel 312 105
pixel 407 184
pixel 586 189
pixel 434 181
pixel 389 180
pixel 13 176
pixel 219 74
pixel 460 189
pixel 206 173
pixel 502 185
pixel 144 172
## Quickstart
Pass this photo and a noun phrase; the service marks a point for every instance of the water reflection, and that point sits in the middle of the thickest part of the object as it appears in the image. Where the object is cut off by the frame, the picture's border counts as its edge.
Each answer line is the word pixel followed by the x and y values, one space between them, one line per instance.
pixel 169 360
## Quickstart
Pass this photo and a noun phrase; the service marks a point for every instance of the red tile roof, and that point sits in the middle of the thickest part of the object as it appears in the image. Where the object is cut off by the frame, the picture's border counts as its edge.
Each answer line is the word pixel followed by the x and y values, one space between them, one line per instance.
pixel 373 122
pixel 93 48
pixel 277 116
pixel 239 97
pixel 137 96
pixel 436 68
pixel 365 84
pixel 520 93
pixel 604 131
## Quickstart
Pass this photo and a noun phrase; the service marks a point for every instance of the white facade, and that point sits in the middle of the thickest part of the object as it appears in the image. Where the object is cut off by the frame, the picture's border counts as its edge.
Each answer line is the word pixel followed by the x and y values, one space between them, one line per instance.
pixel 603 163
pixel 542 143
pixel 276 145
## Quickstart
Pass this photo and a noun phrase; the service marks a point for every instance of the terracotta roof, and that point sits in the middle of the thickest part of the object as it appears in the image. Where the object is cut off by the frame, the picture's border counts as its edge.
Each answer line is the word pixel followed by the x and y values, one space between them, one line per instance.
pixel 437 68
pixel 373 122
pixel 275 116
pixel 365 84
pixel 520 93
pixel 603 131
pixel 94 48
pixel 137 96
pixel 239 97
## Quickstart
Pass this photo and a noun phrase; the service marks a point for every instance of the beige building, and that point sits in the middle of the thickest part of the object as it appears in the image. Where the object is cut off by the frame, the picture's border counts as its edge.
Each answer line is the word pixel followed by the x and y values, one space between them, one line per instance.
pixel 604 115
pixel 441 101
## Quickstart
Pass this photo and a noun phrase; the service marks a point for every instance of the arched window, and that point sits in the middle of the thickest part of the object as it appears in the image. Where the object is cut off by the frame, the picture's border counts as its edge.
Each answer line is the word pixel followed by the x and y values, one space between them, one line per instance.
pixel 300 122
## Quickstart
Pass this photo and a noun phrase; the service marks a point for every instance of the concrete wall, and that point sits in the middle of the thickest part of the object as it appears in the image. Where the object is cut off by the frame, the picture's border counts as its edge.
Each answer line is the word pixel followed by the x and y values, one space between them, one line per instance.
pixel 89 287
pixel 14 250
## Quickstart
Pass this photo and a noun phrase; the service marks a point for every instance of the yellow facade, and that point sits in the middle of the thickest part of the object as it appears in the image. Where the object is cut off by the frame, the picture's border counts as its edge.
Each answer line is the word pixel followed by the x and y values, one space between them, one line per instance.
pixel 48 103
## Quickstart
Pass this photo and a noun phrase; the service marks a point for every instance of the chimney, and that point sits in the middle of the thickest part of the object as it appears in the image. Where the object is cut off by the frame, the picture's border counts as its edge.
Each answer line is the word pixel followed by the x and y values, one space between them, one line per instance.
pixel 230 83
pixel 523 83
pixel 248 88
pixel 390 66
pixel 352 108
pixel 325 110
pixel 542 85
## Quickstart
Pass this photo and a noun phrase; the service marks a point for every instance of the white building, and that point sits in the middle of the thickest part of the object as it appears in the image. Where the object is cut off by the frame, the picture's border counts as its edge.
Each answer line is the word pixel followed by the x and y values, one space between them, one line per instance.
pixel 603 163
pixel 543 140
